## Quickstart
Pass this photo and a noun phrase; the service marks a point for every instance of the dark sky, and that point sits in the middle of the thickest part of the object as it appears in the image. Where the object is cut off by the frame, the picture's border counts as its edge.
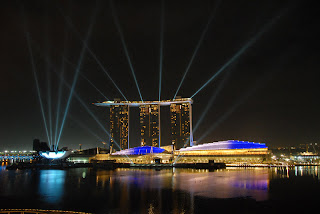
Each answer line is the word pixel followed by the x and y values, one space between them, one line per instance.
pixel 268 94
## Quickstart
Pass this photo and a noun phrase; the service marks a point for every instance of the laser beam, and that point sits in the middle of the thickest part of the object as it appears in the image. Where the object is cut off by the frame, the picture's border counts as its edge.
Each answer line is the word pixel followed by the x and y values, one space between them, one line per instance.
pixel 258 84
pixel 49 104
pixel 161 47
pixel 197 48
pixel 58 104
pixel 91 114
pixel 83 126
pixel 37 86
pixel 71 25
pixel 116 21
pixel 84 77
pixel 75 78
pixel 211 101
pixel 34 72
pixel 240 52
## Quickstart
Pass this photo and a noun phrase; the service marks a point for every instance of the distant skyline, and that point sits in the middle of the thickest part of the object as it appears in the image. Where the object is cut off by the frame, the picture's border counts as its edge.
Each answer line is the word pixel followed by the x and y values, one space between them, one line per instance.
pixel 268 94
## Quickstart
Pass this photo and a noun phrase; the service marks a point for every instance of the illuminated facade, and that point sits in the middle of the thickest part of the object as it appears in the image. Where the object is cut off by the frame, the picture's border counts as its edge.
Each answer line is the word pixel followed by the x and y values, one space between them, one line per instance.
pixel 119 126
pixel 181 124
pixel 230 151
pixel 150 125
pixel 143 150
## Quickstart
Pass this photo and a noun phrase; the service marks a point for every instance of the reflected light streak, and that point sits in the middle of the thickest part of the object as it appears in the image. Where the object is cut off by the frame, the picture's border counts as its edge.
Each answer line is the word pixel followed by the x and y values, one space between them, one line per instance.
pixel 197 48
pixel 240 52
pixel 116 21
pixel 75 78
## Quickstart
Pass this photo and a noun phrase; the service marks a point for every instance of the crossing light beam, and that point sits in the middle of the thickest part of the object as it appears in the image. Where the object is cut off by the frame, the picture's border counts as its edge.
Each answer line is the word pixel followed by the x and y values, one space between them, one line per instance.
pixel 75 78
pixel 197 48
pixel 240 52
pixel 117 23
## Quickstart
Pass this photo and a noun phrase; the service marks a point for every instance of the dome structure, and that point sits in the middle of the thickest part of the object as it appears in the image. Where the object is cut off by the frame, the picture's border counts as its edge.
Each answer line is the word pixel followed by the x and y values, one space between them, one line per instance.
pixel 143 150
pixel 225 145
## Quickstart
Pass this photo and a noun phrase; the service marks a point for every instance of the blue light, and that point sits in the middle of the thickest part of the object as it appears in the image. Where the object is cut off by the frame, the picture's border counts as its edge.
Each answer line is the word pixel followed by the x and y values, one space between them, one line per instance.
pixel 226 145
pixel 51 185
pixel 143 150
pixel 54 155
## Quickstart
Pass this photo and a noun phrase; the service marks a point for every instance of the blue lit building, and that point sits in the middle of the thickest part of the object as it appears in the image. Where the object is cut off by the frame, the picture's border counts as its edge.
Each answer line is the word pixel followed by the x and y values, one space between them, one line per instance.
pixel 143 150
pixel 230 151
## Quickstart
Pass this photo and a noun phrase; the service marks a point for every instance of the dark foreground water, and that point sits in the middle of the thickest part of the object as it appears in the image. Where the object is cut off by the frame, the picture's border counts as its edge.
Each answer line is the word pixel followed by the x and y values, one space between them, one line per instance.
pixel 234 190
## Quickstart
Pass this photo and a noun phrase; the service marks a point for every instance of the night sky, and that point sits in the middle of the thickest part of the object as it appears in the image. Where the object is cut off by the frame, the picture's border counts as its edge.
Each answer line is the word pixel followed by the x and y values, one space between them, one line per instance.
pixel 268 94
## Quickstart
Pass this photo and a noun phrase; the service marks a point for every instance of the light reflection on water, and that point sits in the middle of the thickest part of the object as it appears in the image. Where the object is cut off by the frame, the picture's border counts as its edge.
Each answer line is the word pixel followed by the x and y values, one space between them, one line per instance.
pixel 146 190
pixel 51 185
pixel 229 183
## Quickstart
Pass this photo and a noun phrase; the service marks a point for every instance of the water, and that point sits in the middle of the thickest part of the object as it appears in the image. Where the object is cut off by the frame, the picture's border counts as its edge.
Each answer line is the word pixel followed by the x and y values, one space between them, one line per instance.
pixel 165 191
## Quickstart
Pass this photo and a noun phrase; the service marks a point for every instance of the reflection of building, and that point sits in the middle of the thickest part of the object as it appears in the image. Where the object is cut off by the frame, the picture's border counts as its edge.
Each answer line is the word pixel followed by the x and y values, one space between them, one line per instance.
pixel 181 124
pixel 119 126
pixel 149 125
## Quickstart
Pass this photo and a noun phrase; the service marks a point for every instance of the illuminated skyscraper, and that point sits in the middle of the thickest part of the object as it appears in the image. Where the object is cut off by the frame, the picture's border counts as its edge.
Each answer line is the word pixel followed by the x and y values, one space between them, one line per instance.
pixel 150 125
pixel 119 126
pixel 181 124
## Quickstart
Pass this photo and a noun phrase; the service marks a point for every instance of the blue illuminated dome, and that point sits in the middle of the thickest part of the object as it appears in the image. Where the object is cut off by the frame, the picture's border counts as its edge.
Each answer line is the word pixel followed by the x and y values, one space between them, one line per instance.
pixel 143 150
pixel 224 145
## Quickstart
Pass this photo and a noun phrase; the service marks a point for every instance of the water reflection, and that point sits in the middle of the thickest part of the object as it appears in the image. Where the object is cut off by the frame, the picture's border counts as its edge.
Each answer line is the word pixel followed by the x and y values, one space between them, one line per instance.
pixel 151 191
pixel 51 185
pixel 297 171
